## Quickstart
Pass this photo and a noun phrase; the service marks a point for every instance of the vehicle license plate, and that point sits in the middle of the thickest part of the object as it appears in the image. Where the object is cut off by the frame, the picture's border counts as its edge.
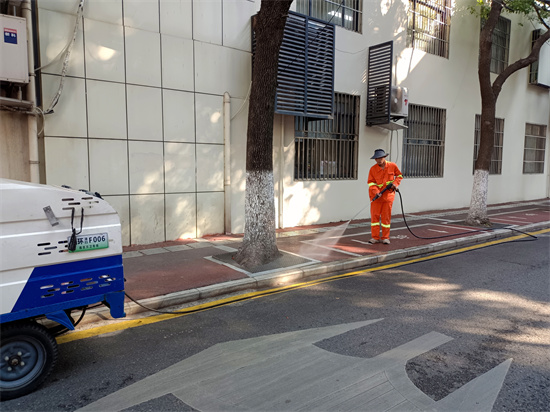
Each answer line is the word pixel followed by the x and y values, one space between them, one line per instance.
pixel 91 242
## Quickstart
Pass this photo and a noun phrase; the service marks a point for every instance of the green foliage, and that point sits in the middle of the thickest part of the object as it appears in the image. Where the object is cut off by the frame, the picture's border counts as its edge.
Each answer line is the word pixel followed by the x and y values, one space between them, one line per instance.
pixel 480 9
pixel 528 8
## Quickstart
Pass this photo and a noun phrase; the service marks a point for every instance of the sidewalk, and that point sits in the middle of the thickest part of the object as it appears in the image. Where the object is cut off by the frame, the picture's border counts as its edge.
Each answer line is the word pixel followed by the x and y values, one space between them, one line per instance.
pixel 175 273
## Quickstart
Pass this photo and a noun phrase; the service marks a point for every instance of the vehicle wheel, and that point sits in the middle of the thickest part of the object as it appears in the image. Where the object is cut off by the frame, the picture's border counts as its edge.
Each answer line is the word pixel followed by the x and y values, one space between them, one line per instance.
pixel 28 354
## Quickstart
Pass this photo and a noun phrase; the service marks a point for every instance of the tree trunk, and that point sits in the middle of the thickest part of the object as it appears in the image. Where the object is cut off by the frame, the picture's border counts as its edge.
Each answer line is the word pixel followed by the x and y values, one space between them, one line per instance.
pixel 477 214
pixel 260 243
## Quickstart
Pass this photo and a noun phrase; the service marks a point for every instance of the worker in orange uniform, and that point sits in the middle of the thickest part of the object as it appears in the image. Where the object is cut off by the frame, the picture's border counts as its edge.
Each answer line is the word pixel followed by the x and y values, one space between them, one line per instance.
pixel 381 175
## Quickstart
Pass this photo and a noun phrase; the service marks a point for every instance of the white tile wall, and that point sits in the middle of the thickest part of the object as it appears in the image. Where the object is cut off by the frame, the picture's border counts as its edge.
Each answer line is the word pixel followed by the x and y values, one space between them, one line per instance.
pixel 69 7
pixel 146 167
pixel 69 116
pixel 144 112
pixel 109 166
pixel 221 69
pixel 147 214
pixel 176 18
pixel 210 213
pixel 130 123
pixel 177 63
pixel 236 23
pixel 52 42
pixel 178 115
pixel 209 114
pixel 106 109
pixel 142 57
pixel 67 162
pixel 181 216
pixel 143 14
pixel 207 21
pixel 179 167
pixel 104 51
pixel 209 167
pixel 108 11
pixel 122 206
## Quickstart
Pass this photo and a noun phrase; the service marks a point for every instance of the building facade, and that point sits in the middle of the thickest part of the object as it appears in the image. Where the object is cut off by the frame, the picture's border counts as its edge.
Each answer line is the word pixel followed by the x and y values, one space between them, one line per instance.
pixel 146 103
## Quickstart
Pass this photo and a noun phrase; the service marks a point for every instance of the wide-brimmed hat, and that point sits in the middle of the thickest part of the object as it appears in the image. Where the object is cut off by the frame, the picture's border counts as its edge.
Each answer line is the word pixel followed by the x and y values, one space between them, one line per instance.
pixel 378 153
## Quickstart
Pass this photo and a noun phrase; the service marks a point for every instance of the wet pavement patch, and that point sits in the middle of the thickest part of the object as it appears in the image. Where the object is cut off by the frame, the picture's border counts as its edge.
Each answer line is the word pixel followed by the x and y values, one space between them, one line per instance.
pixel 286 260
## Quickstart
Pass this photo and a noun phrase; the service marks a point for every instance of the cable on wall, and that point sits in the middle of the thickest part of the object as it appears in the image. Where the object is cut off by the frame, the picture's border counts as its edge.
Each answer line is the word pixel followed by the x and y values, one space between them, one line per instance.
pixel 65 68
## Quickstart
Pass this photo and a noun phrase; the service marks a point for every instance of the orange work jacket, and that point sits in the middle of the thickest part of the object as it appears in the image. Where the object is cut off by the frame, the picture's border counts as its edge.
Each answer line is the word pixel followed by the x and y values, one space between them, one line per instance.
pixel 379 178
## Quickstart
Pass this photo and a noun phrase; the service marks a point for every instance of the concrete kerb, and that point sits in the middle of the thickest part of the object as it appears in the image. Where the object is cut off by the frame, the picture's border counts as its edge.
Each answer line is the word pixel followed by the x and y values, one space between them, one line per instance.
pixel 226 287
pixel 289 276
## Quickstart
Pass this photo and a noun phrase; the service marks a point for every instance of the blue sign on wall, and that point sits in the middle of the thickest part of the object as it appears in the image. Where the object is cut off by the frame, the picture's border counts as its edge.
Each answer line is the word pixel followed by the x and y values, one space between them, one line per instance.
pixel 10 36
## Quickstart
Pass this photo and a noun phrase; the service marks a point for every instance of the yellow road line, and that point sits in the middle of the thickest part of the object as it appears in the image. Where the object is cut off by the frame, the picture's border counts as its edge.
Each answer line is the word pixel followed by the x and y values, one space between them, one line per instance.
pixel 128 324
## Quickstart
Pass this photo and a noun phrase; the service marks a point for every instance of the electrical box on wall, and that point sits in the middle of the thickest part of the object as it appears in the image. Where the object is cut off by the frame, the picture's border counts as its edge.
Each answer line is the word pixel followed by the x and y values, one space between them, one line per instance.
pixel 13 50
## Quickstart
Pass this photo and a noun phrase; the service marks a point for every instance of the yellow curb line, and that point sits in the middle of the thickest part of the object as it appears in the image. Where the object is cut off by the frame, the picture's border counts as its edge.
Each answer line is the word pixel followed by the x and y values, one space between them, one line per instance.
pixel 101 330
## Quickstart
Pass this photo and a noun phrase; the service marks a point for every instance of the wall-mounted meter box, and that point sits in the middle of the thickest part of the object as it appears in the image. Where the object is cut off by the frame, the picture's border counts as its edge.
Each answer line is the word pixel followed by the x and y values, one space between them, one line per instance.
pixel 13 49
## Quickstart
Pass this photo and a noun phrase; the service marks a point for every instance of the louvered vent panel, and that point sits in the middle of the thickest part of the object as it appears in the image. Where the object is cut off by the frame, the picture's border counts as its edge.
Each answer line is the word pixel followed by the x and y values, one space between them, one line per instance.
pixel 305 81
pixel 320 74
pixel 379 83
pixel 291 80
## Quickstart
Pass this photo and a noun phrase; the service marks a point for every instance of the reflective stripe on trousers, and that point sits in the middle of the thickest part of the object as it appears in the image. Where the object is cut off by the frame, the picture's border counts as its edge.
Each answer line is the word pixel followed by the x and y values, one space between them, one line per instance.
pixel 380 211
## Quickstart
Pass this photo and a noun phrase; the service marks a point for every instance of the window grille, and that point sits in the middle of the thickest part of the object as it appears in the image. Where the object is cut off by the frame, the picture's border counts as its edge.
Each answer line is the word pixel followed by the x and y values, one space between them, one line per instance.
pixel 326 149
pixel 501 45
pixel 424 142
pixel 429 26
pixel 496 157
pixel 534 150
pixel 344 13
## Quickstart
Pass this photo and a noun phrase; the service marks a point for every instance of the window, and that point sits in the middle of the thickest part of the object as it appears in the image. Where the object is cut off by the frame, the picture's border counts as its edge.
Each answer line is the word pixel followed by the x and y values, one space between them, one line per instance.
pixel 534 67
pixel 539 71
pixel 326 149
pixel 501 45
pixel 496 158
pixel 429 26
pixel 424 142
pixel 535 148
pixel 345 13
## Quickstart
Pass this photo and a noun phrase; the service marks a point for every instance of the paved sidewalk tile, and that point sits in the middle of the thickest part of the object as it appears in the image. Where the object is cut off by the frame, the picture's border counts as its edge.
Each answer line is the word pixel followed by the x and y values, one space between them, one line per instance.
pixel 225 248
pixel 132 254
pixel 199 245
pixel 154 251
pixel 177 248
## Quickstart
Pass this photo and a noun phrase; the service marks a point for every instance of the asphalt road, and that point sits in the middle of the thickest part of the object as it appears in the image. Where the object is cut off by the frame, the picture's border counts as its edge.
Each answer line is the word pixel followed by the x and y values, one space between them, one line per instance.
pixel 484 308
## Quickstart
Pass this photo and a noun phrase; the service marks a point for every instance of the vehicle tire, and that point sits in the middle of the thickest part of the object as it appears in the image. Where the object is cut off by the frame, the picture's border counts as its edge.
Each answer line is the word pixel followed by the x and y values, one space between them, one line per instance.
pixel 28 354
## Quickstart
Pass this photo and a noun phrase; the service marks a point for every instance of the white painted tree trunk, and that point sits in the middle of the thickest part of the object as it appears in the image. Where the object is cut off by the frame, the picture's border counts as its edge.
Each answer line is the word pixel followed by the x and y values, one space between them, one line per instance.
pixel 260 242
pixel 478 204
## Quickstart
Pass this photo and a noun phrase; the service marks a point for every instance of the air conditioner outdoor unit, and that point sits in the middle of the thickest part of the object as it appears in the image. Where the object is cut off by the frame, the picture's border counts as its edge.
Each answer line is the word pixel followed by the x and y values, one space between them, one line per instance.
pixel 399 103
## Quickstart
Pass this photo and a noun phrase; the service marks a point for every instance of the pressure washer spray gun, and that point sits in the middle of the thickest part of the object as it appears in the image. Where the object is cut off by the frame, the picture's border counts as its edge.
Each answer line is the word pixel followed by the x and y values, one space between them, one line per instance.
pixel 382 192
pixel 368 204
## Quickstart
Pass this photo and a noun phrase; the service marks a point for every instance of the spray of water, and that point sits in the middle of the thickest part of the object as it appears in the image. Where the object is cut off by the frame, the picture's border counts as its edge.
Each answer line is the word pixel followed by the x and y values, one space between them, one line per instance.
pixel 324 241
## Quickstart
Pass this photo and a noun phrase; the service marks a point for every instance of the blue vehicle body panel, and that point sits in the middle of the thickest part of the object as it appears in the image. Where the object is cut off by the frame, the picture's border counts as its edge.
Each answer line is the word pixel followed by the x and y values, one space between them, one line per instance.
pixel 55 288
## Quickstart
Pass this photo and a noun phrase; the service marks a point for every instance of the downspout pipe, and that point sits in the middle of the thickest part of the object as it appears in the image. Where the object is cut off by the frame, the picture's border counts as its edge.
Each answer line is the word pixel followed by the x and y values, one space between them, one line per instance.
pixel 32 126
pixel 281 193
pixel 227 161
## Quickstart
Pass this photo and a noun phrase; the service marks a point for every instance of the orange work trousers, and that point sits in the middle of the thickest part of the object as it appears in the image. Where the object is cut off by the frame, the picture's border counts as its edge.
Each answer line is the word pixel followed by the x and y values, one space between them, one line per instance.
pixel 380 216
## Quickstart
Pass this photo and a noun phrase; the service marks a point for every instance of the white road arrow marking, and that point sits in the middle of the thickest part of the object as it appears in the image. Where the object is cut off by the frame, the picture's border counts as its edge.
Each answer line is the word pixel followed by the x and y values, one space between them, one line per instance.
pixel 286 372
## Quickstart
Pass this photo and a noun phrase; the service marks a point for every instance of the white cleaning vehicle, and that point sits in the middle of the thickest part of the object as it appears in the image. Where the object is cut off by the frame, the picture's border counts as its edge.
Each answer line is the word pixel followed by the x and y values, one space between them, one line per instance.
pixel 60 251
